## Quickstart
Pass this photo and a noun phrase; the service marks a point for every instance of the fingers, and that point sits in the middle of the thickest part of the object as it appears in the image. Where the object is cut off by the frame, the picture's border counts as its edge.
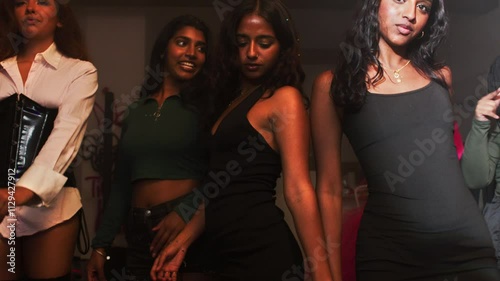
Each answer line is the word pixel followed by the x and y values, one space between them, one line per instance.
pixel 100 274
pixel 166 231
pixel 167 276
pixel 497 96
pixel 95 275
pixel 167 264
pixel 485 109
pixel 159 241
pixel 487 106
pixel 158 273
pixel 492 94
pixel 161 259
pixel 173 235
pixel 154 270
pixel 95 268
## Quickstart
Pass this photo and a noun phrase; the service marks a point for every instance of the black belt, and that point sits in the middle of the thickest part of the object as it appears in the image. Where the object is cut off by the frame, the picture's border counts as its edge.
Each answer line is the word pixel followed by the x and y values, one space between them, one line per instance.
pixel 25 126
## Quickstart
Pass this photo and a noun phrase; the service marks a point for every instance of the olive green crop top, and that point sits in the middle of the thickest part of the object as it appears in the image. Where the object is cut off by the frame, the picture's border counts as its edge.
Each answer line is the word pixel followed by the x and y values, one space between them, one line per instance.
pixel 153 145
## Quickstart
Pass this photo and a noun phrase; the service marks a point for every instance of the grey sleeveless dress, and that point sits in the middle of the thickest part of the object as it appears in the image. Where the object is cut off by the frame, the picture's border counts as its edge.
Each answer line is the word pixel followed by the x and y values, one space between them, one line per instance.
pixel 420 221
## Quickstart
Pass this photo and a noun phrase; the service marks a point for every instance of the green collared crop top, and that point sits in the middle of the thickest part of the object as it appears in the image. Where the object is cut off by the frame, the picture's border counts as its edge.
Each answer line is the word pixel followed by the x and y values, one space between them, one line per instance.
pixel 165 145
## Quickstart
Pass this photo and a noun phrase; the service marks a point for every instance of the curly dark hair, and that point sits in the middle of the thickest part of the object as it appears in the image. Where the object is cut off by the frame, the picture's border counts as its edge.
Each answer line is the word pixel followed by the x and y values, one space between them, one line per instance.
pixel 287 71
pixel 68 37
pixel 193 94
pixel 360 50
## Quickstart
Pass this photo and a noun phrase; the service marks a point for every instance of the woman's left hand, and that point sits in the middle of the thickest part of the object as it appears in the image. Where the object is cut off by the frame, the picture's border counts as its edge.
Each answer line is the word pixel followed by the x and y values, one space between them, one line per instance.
pixel 166 231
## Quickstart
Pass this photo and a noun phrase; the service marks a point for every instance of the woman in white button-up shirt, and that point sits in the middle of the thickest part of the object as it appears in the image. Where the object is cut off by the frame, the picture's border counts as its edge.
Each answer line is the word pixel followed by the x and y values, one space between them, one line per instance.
pixel 42 57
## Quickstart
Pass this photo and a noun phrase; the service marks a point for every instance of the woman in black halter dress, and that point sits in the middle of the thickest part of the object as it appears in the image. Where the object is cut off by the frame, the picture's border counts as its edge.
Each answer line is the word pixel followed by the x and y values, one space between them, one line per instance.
pixel 262 133
pixel 392 101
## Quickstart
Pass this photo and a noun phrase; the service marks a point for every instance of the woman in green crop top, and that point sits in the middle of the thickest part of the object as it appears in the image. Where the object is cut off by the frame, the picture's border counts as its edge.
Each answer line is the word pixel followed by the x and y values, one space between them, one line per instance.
pixel 481 159
pixel 161 153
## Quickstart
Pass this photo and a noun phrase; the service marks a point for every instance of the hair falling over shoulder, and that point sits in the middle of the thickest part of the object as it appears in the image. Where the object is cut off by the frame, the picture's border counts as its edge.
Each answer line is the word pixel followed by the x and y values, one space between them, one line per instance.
pixel 360 50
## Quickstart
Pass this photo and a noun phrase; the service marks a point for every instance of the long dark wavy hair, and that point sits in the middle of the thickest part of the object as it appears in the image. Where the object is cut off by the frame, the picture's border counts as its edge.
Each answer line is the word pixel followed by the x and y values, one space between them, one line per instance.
pixel 288 69
pixel 68 38
pixel 360 50
pixel 193 93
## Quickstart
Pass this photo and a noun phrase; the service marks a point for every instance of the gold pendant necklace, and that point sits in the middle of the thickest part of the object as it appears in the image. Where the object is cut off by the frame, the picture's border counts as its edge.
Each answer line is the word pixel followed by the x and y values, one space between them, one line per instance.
pixel 157 113
pixel 396 73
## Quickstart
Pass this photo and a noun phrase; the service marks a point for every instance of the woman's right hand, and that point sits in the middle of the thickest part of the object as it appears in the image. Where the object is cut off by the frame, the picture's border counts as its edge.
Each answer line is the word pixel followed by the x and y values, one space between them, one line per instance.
pixel 166 231
pixel 170 258
pixel 487 106
pixel 95 266
pixel 168 262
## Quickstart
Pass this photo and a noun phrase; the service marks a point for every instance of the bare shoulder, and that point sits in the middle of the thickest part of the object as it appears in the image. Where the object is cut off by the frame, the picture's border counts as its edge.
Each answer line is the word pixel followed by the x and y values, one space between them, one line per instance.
pixel 445 72
pixel 287 95
pixel 321 90
pixel 323 81
pixel 286 103
pixel 322 101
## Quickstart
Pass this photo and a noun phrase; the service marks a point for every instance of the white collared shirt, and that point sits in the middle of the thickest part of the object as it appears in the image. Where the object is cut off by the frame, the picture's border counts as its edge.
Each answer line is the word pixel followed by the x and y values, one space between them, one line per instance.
pixel 54 81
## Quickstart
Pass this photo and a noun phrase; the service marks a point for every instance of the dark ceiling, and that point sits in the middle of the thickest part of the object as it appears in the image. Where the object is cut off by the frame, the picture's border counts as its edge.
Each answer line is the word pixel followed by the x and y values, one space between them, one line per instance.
pixel 454 6
pixel 311 4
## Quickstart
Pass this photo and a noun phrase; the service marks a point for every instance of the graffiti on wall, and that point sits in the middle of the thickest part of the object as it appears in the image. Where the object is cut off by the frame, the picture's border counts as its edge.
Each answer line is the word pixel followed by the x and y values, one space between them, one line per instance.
pixel 93 150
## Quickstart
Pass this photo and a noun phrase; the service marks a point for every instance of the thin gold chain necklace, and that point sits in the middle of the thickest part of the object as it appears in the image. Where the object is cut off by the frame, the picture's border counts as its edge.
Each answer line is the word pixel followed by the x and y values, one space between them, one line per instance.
pixel 396 73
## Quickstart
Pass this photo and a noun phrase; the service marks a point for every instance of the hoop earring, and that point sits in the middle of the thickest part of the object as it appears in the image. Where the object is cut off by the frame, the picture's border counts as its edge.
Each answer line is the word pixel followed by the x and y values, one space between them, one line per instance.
pixel 421 35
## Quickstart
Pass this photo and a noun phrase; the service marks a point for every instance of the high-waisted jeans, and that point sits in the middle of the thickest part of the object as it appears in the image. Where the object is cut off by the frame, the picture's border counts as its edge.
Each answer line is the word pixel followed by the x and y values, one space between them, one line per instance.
pixel 139 235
